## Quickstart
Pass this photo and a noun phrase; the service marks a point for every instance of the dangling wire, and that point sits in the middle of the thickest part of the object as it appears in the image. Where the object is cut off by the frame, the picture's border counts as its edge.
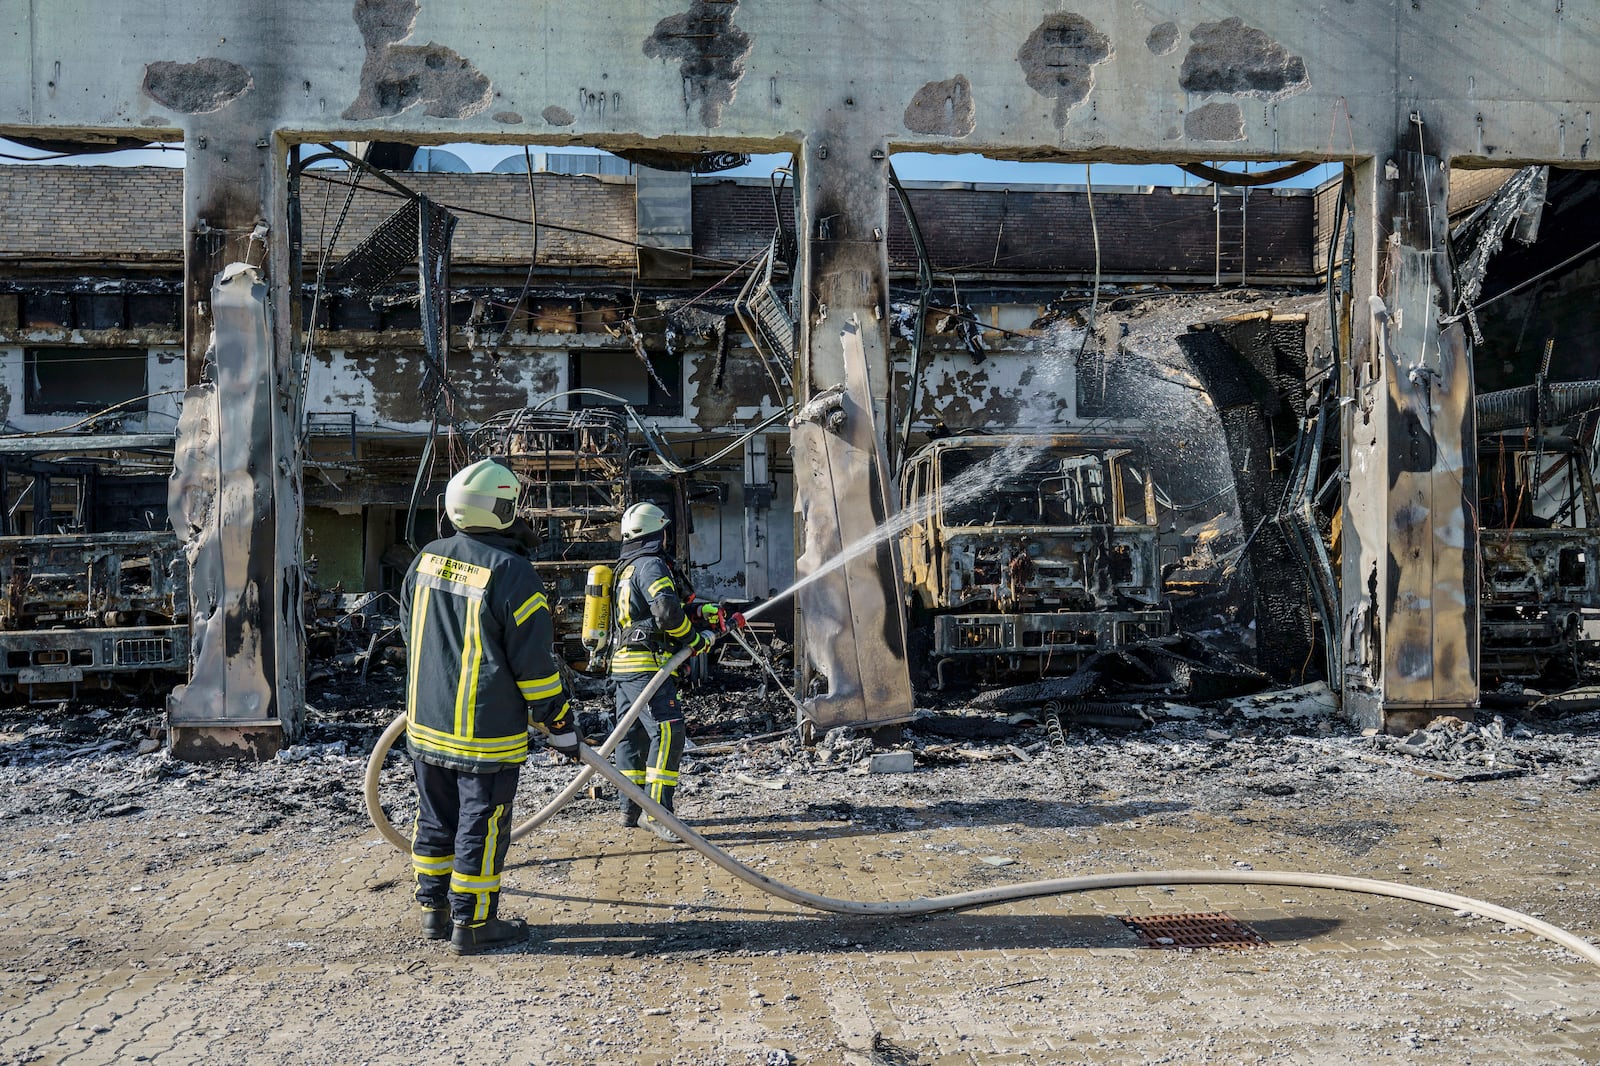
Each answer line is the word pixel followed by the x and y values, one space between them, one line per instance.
pixel 533 256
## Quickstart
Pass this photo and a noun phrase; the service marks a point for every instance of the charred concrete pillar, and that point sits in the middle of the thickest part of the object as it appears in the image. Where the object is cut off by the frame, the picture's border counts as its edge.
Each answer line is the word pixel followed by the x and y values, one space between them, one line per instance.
pixel 234 498
pixel 852 617
pixel 1410 587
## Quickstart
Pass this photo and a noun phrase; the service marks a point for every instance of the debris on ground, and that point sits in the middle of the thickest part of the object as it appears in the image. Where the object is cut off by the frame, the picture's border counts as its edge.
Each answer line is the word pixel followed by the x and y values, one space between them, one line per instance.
pixel 1176 667
pixel 1452 740
pixel 1309 701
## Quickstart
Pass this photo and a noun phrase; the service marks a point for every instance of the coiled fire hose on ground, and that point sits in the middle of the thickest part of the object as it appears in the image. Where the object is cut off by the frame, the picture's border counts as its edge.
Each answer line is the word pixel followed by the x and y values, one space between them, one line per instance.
pixel 596 761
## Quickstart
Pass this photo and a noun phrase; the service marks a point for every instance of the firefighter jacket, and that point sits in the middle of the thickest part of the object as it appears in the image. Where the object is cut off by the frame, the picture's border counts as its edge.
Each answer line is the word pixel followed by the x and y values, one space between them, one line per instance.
pixel 480 666
pixel 650 619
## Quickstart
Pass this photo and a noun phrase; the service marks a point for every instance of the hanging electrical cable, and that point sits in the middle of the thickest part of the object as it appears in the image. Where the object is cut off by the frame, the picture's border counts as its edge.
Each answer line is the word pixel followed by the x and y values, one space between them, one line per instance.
pixel 1266 177
pixel 324 255
pixel 533 254
pixel 401 192
pixel 56 431
pixel 652 440
pixel 919 357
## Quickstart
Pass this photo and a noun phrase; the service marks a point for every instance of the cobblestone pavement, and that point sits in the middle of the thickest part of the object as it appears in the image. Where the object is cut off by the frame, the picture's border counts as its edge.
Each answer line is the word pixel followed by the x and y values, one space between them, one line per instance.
pixel 168 937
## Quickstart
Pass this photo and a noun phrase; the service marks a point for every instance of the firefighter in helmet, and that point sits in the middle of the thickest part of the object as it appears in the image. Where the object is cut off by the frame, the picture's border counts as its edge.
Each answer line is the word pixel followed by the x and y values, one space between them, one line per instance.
pixel 653 620
pixel 480 672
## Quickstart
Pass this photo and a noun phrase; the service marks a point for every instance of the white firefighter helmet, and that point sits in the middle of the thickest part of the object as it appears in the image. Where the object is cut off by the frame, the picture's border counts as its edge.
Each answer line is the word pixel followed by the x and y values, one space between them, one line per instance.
pixel 482 496
pixel 642 520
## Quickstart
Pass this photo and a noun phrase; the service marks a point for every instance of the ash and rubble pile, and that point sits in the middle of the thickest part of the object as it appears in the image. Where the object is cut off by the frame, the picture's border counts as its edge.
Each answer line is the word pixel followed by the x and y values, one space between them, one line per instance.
pixel 64 764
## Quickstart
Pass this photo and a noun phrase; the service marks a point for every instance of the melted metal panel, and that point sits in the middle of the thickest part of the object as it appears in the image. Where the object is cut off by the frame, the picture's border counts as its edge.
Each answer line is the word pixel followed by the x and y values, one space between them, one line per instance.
pixel 221 505
pixel 854 631
pixel 1430 655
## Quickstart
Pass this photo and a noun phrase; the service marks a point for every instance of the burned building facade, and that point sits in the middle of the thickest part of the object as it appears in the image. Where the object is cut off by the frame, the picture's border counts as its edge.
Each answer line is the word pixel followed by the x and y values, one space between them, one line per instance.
pixel 1379 86
pixel 90 305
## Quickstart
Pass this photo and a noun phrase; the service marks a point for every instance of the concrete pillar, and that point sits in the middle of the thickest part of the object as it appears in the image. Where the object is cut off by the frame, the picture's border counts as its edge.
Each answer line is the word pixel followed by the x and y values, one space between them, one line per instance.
pixel 1410 561
pixel 235 496
pixel 852 620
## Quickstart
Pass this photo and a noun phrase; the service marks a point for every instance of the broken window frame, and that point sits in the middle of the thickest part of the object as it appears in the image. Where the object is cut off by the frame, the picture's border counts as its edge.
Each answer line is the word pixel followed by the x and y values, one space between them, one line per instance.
pixel 70 363
pixel 667 366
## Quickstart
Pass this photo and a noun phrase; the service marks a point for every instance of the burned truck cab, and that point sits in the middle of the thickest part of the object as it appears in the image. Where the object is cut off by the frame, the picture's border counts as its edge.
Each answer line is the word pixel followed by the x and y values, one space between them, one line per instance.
pixel 94 590
pixel 1539 539
pixel 1025 554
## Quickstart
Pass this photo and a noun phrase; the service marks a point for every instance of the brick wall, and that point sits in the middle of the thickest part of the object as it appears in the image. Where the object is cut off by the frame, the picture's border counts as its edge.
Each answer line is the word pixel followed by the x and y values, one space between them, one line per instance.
pixel 1021 230
pixel 112 214
pixel 602 207
pixel 91 213
pixel 136 213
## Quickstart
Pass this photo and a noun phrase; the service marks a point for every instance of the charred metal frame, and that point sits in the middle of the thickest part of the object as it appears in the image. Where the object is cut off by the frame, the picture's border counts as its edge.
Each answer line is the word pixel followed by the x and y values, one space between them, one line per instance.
pixel 90 609
pixel 1031 598
pixel 1541 574
pixel 577 475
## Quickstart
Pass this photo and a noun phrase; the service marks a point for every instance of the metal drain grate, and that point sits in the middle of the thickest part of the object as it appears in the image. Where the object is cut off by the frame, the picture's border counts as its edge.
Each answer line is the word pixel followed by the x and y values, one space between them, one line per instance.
pixel 1194 931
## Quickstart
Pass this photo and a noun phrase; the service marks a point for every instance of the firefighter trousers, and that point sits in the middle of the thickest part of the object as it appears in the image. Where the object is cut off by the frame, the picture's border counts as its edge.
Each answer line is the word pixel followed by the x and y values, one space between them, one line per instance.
pixel 649 753
pixel 459 843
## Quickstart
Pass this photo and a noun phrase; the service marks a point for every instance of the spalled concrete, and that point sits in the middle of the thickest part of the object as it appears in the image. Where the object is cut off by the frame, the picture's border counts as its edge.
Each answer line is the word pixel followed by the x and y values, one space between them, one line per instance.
pixel 1058 60
pixel 196 88
pixel 712 51
pixel 1231 57
pixel 396 77
pixel 943 107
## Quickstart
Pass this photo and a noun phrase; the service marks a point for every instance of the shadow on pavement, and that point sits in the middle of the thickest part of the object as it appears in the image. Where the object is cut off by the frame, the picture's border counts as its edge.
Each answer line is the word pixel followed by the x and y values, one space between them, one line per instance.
pixel 812 934
pixel 848 820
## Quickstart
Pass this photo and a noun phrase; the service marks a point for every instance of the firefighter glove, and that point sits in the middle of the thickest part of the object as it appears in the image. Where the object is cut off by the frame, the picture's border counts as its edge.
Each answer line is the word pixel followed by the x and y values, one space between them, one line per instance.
pixel 711 615
pixel 559 734
pixel 700 643
pixel 564 744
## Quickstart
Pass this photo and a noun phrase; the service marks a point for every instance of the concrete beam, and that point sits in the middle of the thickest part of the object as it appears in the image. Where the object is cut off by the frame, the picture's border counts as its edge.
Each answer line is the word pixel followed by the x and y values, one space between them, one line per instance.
pixel 62 443
pixel 1505 81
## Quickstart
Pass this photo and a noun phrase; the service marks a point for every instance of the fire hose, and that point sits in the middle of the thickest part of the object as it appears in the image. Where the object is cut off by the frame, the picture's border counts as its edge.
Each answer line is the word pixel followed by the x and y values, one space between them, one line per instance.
pixel 596 761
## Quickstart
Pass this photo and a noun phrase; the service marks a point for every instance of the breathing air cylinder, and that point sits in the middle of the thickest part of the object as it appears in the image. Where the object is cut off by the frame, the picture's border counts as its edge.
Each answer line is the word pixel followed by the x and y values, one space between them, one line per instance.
pixel 597 616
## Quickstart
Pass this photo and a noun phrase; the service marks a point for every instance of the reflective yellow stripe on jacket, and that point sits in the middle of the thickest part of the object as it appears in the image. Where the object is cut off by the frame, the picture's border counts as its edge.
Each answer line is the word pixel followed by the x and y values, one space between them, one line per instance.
pixel 543 688
pixel 501 749
pixel 471 662
pixel 419 614
pixel 526 611
pixel 637 661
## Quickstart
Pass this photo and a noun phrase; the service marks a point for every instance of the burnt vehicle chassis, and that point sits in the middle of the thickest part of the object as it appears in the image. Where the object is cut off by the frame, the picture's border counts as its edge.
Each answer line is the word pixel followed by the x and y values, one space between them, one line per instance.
pixel 106 609
pixel 87 601
pixel 1539 549
pixel 1029 553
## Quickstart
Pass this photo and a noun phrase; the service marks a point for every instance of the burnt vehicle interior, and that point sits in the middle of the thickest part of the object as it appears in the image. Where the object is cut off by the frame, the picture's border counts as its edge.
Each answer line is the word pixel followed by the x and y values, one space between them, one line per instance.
pixel 96 585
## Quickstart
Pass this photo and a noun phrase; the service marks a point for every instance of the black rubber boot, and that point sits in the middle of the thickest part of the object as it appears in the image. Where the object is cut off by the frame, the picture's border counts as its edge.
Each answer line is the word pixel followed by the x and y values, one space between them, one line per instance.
pixel 661 831
pixel 630 814
pixel 436 923
pixel 486 936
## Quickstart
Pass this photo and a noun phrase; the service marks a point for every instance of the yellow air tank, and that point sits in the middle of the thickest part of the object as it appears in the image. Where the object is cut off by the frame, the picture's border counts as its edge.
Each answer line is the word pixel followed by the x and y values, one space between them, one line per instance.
pixel 597 615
